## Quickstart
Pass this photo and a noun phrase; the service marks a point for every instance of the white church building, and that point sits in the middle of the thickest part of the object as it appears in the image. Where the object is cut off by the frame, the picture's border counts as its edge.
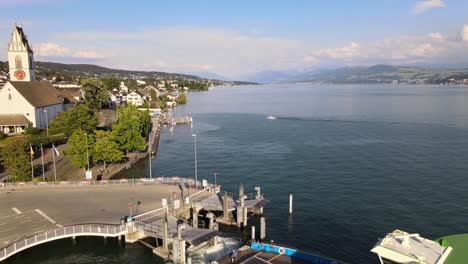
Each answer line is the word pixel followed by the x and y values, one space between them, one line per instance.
pixel 24 101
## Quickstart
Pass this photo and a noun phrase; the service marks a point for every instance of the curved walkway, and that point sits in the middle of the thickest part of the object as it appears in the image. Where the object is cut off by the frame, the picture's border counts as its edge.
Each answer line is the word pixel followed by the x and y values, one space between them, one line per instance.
pixel 63 232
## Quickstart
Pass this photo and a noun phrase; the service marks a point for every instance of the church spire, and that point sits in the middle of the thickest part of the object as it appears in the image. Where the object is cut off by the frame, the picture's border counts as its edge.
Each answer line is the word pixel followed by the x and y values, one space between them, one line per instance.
pixel 20 56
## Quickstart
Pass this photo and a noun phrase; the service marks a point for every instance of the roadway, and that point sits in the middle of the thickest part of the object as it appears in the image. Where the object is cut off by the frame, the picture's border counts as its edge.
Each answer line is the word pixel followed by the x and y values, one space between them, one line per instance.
pixel 25 211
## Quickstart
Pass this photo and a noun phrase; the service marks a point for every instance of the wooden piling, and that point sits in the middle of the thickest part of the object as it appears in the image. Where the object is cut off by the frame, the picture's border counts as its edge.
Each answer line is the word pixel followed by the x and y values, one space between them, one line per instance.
pixel 262 228
pixel 290 203
pixel 252 236
pixel 225 206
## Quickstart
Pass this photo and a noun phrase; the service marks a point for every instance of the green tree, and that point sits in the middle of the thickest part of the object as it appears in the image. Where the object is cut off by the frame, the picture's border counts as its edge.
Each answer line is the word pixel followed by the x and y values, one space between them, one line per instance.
pixel 127 131
pixel 182 98
pixel 131 84
pixel 96 96
pixel 3 135
pixel 106 149
pixel 110 82
pixel 79 116
pixel 154 95
pixel 146 123
pixel 77 147
pixel 16 158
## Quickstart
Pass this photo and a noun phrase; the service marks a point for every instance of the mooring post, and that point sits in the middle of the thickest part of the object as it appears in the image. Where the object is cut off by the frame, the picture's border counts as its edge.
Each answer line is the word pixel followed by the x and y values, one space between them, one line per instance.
pixel 262 228
pixel 244 221
pixel 259 195
pixel 178 244
pixel 211 217
pixel 195 216
pixel 240 215
pixel 252 237
pixel 165 233
pixel 241 195
pixel 290 203
pixel 225 206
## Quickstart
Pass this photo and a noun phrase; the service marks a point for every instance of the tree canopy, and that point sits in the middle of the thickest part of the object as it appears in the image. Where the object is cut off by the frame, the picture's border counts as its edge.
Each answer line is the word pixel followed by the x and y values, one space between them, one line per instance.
pixel 110 82
pixel 106 149
pixel 79 116
pixel 96 96
pixel 182 98
pixel 16 158
pixel 154 95
pixel 128 130
pixel 77 147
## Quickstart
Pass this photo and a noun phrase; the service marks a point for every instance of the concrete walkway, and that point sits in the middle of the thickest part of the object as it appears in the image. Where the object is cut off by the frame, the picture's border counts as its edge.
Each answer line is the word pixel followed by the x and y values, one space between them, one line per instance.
pixel 26 211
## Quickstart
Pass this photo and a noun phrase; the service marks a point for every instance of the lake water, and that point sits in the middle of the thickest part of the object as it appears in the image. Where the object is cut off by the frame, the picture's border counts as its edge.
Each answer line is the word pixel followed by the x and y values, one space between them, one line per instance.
pixel 361 161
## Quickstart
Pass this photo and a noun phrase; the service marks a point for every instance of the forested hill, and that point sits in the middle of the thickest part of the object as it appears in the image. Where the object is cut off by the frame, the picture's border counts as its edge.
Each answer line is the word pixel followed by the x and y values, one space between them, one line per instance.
pixel 78 71
pixel 384 74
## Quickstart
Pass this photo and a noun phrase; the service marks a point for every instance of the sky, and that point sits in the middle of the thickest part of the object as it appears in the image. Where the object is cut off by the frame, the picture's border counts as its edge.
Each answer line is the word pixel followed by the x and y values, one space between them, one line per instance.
pixel 240 38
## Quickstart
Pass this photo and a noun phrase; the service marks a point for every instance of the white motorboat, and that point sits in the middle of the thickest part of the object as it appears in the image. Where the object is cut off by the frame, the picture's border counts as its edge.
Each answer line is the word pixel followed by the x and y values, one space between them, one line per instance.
pixel 270 117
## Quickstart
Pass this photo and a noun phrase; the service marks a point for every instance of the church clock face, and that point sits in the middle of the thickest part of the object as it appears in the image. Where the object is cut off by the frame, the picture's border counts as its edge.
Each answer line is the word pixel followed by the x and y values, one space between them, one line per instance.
pixel 20 74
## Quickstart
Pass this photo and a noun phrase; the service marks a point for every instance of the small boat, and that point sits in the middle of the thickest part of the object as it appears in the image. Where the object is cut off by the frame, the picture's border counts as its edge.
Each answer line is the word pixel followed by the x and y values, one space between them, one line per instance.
pixel 171 129
pixel 270 117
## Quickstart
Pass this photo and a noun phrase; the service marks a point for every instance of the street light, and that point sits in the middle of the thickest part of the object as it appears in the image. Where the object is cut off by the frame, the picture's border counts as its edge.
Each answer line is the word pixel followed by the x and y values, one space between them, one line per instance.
pixel 87 152
pixel 47 120
pixel 196 172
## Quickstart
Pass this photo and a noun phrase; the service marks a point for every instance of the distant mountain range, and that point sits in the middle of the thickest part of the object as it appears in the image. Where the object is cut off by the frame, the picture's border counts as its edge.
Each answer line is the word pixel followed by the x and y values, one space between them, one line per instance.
pixel 371 75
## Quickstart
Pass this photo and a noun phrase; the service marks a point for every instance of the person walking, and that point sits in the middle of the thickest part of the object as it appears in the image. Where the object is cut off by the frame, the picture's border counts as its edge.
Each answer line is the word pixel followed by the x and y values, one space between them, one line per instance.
pixel 234 254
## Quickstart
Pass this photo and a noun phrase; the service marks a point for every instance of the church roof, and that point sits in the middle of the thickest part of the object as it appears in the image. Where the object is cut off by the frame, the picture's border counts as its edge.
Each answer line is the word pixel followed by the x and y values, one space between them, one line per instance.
pixel 24 39
pixel 12 120
pixel 38 93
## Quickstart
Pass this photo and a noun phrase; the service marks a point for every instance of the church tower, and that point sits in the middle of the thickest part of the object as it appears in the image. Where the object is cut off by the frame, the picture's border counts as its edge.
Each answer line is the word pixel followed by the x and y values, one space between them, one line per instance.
pixel 20 56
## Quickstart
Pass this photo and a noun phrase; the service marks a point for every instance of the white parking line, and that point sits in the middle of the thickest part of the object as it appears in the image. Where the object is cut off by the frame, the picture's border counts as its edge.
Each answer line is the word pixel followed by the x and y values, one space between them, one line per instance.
pixel 16 210
pixel 46 216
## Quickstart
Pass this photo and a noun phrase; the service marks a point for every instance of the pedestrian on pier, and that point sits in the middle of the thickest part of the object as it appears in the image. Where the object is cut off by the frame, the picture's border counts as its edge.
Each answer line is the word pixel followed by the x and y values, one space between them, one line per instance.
pixel 234 254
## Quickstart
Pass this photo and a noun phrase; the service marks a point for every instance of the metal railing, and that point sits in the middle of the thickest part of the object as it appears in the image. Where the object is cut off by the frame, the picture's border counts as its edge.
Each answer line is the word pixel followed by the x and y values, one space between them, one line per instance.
pixel 156 180
pixel 199 194
pixel 150 214
pixel 63 232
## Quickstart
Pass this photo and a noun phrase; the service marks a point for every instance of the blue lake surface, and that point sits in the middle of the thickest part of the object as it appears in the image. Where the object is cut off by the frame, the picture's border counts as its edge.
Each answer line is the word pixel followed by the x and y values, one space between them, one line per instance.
pixel 360 160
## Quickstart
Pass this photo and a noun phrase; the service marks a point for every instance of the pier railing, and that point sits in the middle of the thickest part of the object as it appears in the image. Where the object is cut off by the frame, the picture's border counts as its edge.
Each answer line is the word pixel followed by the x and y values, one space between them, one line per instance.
pixel 155 180
pixel 150 214
pixel 63 232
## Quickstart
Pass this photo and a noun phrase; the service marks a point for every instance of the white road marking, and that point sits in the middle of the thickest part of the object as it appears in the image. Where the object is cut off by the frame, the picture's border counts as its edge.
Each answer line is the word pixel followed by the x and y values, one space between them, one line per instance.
pixel 46 216
pixel 16 210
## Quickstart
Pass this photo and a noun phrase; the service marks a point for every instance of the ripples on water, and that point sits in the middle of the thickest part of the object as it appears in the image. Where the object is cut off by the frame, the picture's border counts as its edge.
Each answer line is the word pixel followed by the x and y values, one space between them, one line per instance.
pixel 361 161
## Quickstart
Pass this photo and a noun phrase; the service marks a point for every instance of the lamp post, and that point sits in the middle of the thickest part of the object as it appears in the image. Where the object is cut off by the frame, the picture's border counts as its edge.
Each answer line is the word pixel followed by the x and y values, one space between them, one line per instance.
pixel 196 171
pixel 47 120
pixel 87 151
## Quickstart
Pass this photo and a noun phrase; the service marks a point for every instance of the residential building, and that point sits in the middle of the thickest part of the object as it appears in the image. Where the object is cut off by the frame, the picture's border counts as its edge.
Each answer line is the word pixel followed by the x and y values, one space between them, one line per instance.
pixel 135 98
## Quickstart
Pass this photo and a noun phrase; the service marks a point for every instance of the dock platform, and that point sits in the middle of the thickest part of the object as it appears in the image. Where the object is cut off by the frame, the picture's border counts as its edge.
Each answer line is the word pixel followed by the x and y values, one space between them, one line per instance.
pixel 250 256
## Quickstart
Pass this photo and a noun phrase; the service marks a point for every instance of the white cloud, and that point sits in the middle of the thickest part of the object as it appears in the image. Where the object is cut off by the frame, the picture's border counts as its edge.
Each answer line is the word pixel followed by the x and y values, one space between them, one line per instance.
pixel 465 33
pixel 189 49
pixel 346 52
pixel 423 6
pixel 433 48
pixel 53 50
pixel 230 53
